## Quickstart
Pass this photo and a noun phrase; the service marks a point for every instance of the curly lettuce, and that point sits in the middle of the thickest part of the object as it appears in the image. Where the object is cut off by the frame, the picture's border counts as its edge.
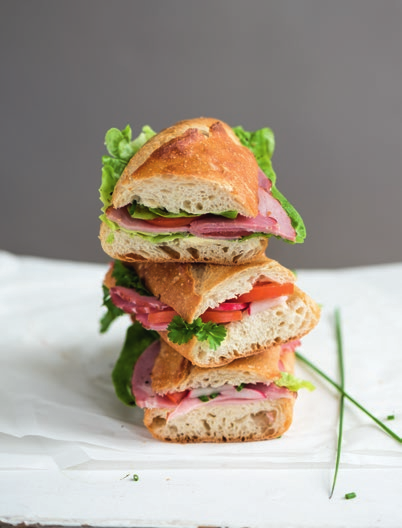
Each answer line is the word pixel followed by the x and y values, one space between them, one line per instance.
pixel 121 149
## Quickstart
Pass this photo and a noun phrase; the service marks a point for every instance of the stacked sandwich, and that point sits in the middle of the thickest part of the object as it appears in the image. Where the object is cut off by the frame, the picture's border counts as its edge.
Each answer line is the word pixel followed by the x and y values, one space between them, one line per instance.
pixel 186 219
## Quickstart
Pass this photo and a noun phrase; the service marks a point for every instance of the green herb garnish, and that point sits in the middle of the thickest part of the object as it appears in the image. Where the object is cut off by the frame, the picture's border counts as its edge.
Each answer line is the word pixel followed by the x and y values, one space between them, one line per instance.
pixel 136 478
pixel 208 397
pixel 179 331
pixel 342 397
pixel 391 417
pixel 240 387
pixel 351 495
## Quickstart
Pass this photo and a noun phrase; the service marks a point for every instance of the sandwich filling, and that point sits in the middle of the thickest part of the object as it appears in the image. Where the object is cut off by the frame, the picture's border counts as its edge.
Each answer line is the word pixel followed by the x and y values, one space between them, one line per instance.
pixel 272 219
pixel 153 314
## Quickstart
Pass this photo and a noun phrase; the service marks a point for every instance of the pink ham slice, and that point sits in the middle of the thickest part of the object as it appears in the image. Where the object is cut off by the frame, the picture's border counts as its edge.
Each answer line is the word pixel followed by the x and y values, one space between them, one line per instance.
pixel 133 303
pixel 122 217
pixel 271 219
pixel 145 397
pixel 141 306
pixel 270 206
pixel 209 226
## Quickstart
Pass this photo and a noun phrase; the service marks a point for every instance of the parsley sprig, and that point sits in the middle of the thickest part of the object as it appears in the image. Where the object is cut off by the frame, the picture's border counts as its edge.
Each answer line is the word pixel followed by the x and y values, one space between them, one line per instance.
pixel 180 332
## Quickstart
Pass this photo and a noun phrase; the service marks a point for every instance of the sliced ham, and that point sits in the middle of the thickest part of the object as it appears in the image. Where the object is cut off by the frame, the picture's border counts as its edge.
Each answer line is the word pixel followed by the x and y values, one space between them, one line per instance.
pixel 270 206
pixel 132 302
pixel 209 226
pixel 271 219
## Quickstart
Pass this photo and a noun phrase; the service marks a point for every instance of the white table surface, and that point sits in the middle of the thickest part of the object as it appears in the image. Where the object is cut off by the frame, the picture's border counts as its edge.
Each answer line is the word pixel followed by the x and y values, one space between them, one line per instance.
pixel 69 448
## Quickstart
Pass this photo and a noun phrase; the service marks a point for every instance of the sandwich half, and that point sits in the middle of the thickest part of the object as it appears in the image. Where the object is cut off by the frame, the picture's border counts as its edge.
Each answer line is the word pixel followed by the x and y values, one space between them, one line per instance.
pixel 251 399
pixel 198 191
pixel 208 313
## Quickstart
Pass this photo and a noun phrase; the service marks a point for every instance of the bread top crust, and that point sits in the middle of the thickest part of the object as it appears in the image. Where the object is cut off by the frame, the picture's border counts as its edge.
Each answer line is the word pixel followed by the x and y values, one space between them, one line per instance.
pixel 190 289
pixel 205 149
pixel 174 373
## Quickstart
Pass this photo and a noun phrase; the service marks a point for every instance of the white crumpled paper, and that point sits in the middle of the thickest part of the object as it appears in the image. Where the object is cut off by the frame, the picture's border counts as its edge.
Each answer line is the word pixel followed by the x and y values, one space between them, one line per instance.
pixel 59 410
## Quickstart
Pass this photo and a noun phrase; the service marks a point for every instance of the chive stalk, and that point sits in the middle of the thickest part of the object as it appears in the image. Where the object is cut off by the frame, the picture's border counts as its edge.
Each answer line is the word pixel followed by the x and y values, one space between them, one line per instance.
pixel 351 495
pixel 339 347
pixel 380 424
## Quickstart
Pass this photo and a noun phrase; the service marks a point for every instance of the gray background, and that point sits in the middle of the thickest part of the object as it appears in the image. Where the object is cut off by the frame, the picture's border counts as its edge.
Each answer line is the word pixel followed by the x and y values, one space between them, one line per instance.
pixel 326 76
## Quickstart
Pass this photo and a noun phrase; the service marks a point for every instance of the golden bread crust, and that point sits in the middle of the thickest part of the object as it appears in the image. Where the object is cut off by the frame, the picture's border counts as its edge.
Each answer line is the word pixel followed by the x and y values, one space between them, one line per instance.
pixel 173 373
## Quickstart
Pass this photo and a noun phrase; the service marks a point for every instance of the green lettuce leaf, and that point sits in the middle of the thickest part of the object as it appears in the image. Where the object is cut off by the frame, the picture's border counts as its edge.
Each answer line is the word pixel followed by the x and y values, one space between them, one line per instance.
pixel 137 340
pixel 128 278
pixel 143 212
pixel 112 312
pixel 262 145
pixel 121 149
pixel 292 383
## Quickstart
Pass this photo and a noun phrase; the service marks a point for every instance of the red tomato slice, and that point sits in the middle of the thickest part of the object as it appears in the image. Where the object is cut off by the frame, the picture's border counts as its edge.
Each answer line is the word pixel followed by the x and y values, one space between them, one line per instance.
pixel 164 316
pixel 176 397
pixel 171 222
pixel 218 316
pixel 267 290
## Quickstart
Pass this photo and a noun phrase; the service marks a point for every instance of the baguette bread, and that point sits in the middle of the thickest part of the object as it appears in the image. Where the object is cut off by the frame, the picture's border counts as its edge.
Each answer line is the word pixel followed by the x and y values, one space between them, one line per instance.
pixel 191 289
pixel 197 166
pixel 220 421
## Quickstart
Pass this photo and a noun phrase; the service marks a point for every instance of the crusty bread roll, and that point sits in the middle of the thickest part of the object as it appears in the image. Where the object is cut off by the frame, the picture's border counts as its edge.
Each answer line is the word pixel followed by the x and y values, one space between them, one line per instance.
pixel 197 165
pixel 192 288
pixel 220 422
pixel 123 246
